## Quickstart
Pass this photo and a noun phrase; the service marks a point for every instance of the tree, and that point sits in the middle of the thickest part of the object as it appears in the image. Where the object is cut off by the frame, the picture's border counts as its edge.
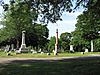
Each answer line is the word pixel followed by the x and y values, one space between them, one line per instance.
pixel 49 10
pixel 41 34
pixel 52 10
pixel 79 43
pixel 87 25
pixel 19 18
pixel 97 45
pixel 65 40
pixel 51 44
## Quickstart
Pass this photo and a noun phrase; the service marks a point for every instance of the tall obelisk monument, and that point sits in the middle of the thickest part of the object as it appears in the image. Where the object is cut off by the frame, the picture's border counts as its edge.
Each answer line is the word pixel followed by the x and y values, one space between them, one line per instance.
pixel 56 44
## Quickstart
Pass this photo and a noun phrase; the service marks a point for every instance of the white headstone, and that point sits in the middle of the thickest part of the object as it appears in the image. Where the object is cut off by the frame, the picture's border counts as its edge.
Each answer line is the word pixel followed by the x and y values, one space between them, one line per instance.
pixel 42 52
pixel 86 50
pixel 71 48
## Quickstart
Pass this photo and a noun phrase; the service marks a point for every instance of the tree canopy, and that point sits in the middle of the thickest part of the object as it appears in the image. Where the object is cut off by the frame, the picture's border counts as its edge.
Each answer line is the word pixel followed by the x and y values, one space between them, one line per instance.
pixel 18 18
pixel 22 15
pixel 51 10
pixel 65 40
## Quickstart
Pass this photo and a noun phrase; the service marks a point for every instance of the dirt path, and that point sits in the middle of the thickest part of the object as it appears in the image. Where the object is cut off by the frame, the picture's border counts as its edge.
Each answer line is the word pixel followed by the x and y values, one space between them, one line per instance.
pixel 53 59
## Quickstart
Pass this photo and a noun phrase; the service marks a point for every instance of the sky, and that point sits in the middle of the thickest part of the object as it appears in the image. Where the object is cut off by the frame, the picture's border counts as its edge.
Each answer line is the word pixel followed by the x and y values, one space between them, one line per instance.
pixel 66 25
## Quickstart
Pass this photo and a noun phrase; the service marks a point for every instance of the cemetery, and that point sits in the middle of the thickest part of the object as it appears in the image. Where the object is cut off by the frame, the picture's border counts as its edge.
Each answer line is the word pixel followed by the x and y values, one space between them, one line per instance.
pixel 49 37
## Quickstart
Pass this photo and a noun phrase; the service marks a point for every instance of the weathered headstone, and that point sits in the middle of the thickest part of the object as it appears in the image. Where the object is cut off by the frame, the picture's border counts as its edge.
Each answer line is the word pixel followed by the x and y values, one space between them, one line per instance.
pixel 12 46
pixel 7 48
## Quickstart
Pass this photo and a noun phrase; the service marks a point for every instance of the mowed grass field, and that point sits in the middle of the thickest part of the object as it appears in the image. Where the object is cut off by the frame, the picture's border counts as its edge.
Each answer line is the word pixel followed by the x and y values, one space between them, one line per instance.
pixel 44 55
pixel 75 66
pixel 54 67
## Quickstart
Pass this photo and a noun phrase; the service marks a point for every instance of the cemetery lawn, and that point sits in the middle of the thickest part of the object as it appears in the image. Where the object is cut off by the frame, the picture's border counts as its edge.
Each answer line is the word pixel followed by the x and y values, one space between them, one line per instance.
pixel 44 55
pixel 54 67
pixel 75 66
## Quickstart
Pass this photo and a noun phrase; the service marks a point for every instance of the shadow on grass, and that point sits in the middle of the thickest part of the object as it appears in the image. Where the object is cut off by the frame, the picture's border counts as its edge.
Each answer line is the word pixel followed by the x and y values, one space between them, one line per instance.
pixel 72 66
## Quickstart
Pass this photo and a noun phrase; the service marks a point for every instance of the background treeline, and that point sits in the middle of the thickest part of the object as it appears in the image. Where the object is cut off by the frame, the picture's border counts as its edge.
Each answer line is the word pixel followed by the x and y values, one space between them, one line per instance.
pixel 22 15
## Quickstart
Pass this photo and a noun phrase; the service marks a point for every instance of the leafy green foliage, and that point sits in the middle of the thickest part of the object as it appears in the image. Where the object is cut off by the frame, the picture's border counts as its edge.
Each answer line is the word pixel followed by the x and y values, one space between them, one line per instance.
pixel 41 35
pixel 18 18
pixel 51 44
pixel 97 44
pixel 49 10
pixel 79 43
pixel 87 25
pixel 65 40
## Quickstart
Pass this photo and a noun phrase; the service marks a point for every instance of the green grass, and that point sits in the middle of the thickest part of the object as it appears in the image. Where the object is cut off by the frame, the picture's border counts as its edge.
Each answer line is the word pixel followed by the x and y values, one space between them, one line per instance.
pixel 38 55
pixel 50 67
pixel 66 67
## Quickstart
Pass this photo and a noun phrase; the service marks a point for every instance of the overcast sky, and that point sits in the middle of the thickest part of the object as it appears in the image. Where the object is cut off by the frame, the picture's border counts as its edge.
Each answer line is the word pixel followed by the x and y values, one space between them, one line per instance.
pixel 67 25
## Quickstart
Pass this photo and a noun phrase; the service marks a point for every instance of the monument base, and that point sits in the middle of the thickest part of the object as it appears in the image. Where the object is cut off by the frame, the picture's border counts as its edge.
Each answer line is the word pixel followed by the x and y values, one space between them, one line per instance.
pixel 23 46
pixel 23 49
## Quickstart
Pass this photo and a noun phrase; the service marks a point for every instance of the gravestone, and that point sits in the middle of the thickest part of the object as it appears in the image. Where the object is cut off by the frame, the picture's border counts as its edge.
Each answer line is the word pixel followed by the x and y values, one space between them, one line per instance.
pixel 42 52
pixel 23 49
pixel 86 50
pixel 71 48
pixel 12 47
pixel 7 48
pixel 33 51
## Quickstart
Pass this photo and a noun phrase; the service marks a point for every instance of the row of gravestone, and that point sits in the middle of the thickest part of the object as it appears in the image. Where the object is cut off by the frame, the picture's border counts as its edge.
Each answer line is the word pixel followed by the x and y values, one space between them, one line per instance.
pixel 24 49
pixel 72 50
pixel 8 48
